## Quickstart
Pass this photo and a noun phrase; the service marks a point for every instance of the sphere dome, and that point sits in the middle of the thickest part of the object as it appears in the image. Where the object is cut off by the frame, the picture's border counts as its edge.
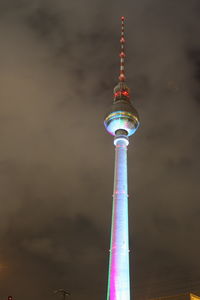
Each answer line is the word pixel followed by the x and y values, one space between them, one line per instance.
pixel 122 116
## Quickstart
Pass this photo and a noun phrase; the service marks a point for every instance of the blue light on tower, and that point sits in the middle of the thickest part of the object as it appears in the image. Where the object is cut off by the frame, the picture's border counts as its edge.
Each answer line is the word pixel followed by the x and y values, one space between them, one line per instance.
pixel 122 121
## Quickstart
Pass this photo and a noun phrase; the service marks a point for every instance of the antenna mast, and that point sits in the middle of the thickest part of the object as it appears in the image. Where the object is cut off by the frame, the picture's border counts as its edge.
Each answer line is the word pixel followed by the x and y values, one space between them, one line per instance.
pixel 122 54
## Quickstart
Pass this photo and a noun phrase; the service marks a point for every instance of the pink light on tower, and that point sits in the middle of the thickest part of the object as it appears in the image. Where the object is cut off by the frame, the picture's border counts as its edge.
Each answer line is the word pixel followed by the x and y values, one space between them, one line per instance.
pixel 121 121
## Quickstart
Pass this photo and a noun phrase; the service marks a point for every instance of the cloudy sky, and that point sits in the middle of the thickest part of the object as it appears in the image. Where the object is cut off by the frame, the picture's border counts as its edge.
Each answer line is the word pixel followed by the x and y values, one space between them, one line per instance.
pixel 58 66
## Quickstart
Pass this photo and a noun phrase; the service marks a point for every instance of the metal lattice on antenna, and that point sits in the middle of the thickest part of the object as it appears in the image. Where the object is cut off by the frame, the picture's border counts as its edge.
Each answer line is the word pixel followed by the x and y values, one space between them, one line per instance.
pixel 122 52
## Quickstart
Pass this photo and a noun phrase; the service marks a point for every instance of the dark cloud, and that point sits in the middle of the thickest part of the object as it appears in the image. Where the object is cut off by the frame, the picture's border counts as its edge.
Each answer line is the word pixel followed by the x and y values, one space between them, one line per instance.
pixel 58 68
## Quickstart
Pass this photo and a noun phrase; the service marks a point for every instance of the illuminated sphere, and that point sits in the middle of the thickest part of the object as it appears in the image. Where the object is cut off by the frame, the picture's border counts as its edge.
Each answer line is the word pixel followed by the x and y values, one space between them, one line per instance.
pixel 122 115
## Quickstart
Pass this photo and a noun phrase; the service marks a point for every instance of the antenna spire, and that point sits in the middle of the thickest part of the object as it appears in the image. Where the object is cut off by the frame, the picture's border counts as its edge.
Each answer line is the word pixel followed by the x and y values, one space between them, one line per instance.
pixel 121 90
pixel 122 53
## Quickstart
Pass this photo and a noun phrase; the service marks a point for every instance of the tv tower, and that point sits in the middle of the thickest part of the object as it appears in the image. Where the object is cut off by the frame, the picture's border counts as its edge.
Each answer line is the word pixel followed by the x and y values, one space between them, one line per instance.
pixel 122 121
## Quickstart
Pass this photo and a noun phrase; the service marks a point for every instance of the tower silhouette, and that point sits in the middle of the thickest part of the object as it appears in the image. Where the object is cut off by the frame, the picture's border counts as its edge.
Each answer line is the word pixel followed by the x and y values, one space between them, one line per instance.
pixel 121 121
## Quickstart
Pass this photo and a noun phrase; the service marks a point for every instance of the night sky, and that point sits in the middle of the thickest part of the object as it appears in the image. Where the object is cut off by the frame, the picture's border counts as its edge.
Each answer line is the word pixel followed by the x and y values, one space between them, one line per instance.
pixel 58 66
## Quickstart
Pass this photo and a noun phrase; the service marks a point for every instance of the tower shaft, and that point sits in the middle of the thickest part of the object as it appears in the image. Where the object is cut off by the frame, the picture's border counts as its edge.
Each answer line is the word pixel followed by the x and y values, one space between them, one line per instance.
pixel 119 279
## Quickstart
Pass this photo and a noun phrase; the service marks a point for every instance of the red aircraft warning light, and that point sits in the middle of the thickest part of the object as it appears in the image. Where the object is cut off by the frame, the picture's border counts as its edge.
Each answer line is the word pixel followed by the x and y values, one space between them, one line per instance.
pixel 10 298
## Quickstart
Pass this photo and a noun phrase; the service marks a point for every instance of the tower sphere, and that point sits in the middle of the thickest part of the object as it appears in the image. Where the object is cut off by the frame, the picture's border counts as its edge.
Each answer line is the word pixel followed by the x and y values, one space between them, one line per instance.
pixel 122 115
